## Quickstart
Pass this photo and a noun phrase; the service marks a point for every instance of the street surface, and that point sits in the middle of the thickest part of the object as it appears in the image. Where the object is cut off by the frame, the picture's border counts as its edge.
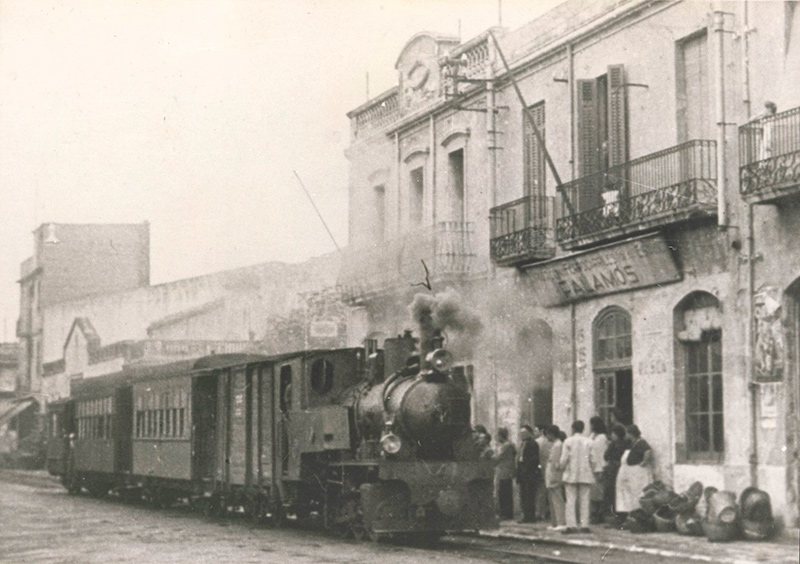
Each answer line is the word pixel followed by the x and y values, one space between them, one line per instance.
pixel 40 523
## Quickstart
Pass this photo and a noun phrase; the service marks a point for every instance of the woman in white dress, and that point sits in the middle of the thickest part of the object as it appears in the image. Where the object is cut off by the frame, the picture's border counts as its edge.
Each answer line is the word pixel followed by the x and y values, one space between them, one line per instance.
pixel 635 472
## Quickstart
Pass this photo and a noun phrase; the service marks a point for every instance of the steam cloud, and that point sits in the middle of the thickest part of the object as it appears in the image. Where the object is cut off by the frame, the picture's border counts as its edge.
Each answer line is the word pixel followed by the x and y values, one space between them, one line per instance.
pixel 446 312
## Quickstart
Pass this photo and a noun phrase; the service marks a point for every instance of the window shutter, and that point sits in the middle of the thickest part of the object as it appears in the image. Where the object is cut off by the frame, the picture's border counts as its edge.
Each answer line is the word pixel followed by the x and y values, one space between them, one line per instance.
pixel 617 116
pixel 534 153
pixel 588 164
pixel 587 127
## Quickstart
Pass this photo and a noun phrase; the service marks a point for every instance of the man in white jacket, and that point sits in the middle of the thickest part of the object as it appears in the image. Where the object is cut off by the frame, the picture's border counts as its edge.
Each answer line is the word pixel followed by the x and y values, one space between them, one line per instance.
pixel 576 461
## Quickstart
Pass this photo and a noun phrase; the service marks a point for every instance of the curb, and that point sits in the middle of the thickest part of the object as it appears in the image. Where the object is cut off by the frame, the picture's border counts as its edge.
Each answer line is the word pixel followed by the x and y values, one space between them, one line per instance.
pixel 627 548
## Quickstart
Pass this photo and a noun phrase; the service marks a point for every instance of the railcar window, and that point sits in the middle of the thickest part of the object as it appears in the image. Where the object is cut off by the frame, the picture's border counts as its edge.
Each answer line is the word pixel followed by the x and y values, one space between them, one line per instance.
pixel 161 415
pixel 94 419
pixel 322 376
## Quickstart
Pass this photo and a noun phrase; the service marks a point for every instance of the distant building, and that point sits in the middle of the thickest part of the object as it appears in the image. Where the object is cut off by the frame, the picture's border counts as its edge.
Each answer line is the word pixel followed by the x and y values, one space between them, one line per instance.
pixel 87 308
pixel 659 278
pixel 9 358
pixel 8 368
pixel 70 262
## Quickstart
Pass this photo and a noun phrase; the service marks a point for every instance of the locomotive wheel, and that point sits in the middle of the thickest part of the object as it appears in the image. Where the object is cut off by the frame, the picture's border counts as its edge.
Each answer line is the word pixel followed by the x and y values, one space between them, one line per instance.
pixel 361 532
pixel 277 515
pixel 255 510
pixel 333 524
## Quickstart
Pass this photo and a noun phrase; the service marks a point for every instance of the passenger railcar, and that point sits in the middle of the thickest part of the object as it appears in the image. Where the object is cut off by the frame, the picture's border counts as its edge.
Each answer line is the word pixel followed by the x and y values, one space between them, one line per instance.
pixel 370 442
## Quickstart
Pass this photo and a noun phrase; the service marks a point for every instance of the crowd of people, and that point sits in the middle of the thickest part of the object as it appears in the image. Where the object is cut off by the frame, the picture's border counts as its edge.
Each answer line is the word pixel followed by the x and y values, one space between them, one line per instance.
pixel 572 481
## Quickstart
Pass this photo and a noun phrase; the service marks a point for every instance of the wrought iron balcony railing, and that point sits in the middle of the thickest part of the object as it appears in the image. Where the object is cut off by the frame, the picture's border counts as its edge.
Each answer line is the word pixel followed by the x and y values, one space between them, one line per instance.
pixel 657 189
pixel 522 231
pixel 769 156
pixel 446 250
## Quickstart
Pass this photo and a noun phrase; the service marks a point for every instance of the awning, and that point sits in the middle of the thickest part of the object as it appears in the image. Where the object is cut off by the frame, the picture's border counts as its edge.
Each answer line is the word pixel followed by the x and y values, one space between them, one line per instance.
pixel 15 410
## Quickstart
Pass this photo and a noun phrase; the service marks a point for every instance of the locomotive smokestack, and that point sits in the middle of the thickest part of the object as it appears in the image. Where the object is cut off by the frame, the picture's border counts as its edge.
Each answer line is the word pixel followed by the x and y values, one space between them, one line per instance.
pixel 370 346
pixel 444 313
pixel 422 311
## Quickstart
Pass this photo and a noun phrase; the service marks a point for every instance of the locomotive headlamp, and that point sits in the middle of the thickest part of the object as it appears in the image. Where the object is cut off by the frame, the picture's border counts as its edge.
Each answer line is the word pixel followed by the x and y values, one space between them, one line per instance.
pixel 391 443
pixel 440 360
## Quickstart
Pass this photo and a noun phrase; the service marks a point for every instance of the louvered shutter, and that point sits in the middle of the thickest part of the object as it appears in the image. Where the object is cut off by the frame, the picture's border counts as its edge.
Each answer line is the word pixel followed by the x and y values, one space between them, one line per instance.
pixel 617 116
pixel 534 153
pixel 587 144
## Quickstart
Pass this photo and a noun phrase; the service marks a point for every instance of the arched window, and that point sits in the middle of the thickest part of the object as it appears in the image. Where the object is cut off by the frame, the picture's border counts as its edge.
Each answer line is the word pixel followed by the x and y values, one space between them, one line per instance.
pixel 612 364
pixel 698 361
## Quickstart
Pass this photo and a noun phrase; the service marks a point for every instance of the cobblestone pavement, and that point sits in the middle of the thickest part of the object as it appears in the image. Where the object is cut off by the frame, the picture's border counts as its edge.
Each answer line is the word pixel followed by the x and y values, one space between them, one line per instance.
pixel 45 525
pixel 40 523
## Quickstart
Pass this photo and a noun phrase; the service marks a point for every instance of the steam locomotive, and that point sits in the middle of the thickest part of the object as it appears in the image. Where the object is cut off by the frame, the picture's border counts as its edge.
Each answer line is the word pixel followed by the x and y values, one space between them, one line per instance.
pixel 368 442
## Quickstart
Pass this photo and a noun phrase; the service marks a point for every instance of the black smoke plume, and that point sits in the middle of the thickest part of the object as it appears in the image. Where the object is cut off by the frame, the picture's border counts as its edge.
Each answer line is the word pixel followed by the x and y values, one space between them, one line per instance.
pixel 446 313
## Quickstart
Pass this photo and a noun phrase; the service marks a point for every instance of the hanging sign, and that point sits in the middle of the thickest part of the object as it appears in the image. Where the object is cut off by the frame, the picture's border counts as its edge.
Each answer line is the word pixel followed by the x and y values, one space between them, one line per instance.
pixel 619 267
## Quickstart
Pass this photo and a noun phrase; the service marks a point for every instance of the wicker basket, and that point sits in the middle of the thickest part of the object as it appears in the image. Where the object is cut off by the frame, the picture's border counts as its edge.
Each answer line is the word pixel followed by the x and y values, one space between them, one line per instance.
pixel 720 532
pixel 689 524
pixel 757 530
pixel 664 520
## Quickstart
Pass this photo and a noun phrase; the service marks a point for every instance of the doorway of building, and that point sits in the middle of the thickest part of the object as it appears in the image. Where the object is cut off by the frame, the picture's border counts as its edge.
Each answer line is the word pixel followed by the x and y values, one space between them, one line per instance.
pixel 534 348
pixel 792 399
pixel 615 392
pixel 613 373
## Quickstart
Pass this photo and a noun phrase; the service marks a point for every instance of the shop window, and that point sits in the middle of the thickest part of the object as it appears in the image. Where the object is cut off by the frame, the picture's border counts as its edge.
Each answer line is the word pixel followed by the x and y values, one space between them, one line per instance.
pixel 699 383
pixel 613 373
pixel 704 426
pixel 322 376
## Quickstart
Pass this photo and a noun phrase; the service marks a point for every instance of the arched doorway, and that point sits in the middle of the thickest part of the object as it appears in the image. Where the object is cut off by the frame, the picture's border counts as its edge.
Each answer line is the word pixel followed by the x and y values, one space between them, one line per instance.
pixel 792 400
pixel 534 352
pixel 613 373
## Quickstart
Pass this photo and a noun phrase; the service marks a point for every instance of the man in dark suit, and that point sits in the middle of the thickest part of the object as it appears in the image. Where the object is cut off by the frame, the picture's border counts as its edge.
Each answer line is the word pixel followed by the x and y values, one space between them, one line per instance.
pixel 527 473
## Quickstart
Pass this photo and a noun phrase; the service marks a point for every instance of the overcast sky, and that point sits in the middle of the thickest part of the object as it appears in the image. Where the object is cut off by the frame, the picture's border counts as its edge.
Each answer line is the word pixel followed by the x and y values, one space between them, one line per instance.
pixel 193 115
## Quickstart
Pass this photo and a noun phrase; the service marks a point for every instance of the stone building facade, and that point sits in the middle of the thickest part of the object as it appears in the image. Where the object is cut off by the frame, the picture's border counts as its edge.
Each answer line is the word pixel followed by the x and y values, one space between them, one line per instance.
pixel 638 254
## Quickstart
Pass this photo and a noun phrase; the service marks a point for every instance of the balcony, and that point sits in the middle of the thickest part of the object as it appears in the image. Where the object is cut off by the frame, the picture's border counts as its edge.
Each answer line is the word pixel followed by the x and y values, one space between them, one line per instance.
pixel 522 231
pixel 663 188
pixel 396 265
pixel 769 158
pixel 375 115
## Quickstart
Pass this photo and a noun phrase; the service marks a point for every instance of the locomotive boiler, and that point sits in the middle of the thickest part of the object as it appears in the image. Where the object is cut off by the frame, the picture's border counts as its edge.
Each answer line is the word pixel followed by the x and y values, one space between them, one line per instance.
pixel 364 441
pixel 421 411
